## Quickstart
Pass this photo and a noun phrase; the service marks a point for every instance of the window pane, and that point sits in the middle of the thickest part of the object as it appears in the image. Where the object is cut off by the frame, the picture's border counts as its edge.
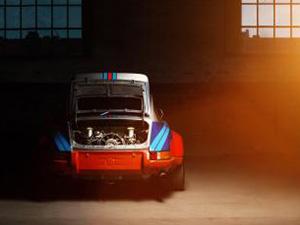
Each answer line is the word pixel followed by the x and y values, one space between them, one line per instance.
pixel 28 17
pixel 265 32
pixel 248 15
pixel 75 33
pixel 44 16
pixel 283 32
pixel 13 2
pixel 296 15
pixel 12 34
pixel 60 16
pixel 283 15
pixel 75 16
pixel 45 2
pixel 1 17
pixel 265 1
pixel 266 15
pixel 28 2
pixel 249 32
pixel 59 2
pixel 73 2
pixel 296 32
pixel 33 35
pixel 45 33
pixel 60 33
pixel 13 17
pixel 1 34
pixel 283 1
pixel 1 2
pixel 25 33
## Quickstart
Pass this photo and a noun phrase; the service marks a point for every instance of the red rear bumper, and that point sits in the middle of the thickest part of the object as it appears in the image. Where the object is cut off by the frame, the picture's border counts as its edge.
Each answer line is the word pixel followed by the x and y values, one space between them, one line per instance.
pixel 126 162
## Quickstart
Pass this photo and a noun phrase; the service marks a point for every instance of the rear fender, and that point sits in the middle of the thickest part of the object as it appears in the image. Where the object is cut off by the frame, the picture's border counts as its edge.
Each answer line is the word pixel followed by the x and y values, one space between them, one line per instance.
pixel 176 145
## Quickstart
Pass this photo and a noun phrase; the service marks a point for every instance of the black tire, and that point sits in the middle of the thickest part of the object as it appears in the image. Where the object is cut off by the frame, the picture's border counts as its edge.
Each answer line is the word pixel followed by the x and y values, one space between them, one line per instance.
pixel 177 178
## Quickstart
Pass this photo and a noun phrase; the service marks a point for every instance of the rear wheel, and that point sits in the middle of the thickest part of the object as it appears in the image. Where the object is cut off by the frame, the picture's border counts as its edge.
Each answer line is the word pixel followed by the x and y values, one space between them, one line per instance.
pixel 177 178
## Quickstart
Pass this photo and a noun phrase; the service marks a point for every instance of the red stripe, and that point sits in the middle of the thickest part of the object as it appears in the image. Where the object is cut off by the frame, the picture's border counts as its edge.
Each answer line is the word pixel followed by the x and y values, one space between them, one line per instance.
pixel 110 75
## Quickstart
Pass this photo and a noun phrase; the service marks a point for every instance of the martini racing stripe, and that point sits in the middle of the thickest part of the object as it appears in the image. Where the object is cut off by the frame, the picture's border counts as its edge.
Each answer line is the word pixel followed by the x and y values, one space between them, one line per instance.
pixel 58 143
pixel 163 140
pixel 160 137
pixel 61 143
pixel 157 138
pixel 114 76
pixel 105 76
pixel 110 76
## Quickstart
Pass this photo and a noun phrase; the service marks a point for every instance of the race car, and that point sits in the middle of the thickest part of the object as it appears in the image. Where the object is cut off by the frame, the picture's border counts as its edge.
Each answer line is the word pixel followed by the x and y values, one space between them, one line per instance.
pixel 114 132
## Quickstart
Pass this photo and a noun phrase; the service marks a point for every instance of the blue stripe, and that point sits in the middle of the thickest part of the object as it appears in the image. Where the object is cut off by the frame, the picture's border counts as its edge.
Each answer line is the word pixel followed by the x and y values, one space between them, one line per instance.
pixel 61 143
pixel 158 137
pixel 105 76
pixel 114 76
pixel 58 143
pixel 163 140
pixel 64 142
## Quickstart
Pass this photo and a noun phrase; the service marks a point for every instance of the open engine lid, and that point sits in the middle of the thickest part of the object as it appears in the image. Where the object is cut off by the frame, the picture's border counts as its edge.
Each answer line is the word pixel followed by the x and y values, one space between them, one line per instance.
pixel 113 85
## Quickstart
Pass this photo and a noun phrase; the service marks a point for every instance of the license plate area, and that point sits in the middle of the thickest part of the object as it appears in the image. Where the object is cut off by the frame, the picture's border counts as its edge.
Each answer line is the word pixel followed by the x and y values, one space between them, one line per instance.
pixel 108 161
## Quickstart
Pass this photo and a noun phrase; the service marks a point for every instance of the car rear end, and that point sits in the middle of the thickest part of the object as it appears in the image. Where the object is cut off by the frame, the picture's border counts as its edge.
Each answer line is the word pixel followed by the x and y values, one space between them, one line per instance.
pixel 114 133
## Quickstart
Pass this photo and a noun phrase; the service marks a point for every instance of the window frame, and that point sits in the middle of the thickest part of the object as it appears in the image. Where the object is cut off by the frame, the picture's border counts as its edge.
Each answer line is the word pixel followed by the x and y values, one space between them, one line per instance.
pixel 275 27
pixel 37 6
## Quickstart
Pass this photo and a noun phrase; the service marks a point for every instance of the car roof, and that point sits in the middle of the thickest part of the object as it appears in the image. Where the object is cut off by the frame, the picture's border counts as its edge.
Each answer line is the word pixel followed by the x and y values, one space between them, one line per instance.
pixel 111 76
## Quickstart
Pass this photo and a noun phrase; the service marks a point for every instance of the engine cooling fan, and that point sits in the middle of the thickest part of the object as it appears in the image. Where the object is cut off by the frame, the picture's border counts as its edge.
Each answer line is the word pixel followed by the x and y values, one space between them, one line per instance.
pixel 112 140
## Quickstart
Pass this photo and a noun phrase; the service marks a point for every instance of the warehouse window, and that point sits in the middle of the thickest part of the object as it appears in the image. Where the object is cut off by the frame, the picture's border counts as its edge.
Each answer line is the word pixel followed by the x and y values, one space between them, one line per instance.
pixel 271 18
pixel 40 19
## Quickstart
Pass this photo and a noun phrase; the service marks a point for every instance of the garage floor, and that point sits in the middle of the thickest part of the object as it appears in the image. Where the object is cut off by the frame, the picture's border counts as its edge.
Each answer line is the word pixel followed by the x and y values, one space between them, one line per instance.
pixel 242 167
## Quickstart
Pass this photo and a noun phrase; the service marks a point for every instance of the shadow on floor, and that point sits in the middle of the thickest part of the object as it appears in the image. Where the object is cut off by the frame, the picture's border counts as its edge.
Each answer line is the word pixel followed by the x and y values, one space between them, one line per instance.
pixel 60 188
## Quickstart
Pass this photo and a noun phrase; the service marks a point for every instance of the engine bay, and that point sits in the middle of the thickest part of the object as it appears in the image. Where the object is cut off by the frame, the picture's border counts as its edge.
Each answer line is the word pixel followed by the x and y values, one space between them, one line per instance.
pixel 110 133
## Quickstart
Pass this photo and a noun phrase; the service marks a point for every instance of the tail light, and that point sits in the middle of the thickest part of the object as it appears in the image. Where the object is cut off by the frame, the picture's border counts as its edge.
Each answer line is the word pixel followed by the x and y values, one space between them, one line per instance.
pixel 160 155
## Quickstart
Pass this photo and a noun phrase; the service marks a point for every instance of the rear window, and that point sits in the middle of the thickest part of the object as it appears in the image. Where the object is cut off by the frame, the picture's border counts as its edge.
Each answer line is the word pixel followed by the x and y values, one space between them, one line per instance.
pixel 109 103
pixel 105 89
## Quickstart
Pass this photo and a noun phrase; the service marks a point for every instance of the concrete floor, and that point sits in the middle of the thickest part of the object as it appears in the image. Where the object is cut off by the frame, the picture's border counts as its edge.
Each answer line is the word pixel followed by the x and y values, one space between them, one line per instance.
pixel 220 190
pixel 242 168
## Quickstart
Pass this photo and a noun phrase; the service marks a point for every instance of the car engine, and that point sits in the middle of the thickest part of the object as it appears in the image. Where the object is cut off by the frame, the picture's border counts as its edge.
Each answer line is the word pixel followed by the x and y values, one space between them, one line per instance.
pixel 112 134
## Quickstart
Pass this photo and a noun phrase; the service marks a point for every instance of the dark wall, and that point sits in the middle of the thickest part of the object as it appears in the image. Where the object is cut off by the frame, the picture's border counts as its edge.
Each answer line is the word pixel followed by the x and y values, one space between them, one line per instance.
pixel 156 36
pixel 156 28
pixel 166 39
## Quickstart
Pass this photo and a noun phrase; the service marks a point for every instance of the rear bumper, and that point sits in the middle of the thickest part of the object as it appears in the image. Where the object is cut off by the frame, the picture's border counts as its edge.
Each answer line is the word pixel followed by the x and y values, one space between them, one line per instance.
pixel 114 165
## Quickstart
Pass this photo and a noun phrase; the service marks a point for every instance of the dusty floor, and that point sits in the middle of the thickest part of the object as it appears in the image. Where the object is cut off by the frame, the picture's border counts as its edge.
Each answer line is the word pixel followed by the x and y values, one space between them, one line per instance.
pixel 242 167
pixel 230 190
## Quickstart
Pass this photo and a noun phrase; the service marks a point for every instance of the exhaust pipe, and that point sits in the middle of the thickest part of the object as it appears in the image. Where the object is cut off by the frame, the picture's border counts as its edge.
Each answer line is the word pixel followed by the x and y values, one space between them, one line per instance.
pixel 110 182
pixel 162 175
